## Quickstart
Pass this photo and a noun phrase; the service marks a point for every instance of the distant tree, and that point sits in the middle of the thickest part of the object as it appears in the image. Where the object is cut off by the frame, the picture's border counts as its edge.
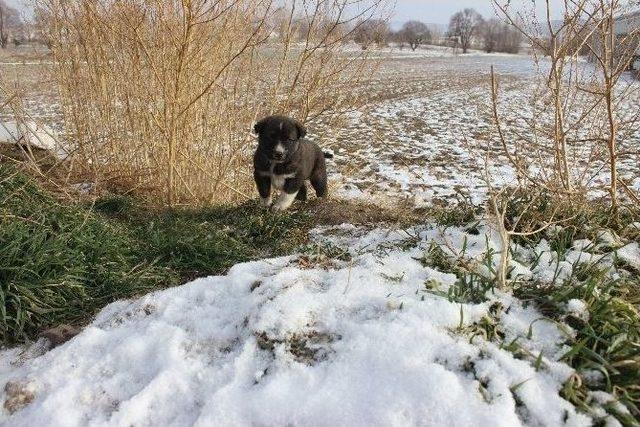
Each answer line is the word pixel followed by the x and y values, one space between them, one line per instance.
pixel 491 34
pixel 498 36
pixel 414 33
pixel 4 36
pixel 373 31
pixel 509 39
pixel 10 22
pixel 464 26
pixel 396 37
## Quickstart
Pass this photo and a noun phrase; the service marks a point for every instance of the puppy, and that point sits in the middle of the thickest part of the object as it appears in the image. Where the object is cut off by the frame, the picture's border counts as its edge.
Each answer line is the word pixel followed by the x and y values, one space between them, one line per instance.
pixel 284 161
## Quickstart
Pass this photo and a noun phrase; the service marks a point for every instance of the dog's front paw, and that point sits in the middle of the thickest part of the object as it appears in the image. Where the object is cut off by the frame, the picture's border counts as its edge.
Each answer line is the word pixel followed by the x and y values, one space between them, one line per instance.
pixel 279 207
pixel 284 201
pixel 266 201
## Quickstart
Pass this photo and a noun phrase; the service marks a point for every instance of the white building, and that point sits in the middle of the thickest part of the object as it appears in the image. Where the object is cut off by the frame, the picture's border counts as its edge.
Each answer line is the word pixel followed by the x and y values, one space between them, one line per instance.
pixel 628 29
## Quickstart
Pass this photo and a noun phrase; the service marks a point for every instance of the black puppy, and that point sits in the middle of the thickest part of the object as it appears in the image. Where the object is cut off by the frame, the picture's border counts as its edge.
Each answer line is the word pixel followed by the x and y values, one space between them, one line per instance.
pixel 284 161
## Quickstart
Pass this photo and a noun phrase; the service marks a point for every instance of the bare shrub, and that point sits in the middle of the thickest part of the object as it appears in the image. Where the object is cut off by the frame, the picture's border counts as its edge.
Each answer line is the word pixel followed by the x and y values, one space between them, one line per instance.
pixel 579 115
pixel 161 95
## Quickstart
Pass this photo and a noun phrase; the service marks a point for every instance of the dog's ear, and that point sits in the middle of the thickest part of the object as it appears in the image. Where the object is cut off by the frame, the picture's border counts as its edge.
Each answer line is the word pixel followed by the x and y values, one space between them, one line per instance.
pixel 259 127
pixel 302 131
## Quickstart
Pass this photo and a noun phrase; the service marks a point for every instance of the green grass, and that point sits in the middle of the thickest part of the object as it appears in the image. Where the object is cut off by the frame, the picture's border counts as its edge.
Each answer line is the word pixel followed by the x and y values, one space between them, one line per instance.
pixel 608 342
pixel 578 219
pixel 195 243
pixel 61 261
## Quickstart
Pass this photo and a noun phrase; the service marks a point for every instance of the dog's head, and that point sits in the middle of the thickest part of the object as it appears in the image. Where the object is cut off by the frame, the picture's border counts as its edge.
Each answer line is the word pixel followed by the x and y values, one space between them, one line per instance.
pixel 279 136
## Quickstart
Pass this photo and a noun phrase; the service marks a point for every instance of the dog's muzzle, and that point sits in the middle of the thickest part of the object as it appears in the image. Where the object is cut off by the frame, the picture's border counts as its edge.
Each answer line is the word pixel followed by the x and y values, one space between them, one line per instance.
pixel 279 152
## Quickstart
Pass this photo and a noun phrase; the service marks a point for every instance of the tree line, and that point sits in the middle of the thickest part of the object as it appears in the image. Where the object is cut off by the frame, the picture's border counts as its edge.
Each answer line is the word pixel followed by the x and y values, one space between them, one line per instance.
pixel 467 29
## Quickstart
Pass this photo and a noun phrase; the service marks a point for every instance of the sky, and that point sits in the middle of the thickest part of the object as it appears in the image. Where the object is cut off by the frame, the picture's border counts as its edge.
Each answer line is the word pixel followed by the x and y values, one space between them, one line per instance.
pixel 439 11
pixel 429 11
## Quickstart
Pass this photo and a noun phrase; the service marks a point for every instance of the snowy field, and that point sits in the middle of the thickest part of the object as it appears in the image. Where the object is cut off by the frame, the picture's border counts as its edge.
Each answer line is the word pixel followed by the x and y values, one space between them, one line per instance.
pixel 425 136
pixel 422 135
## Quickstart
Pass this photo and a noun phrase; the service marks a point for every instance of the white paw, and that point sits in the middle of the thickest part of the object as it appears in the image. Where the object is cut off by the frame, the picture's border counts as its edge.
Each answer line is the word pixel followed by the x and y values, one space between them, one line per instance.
pixel 266 202
pixel 279 207
pixel 284 201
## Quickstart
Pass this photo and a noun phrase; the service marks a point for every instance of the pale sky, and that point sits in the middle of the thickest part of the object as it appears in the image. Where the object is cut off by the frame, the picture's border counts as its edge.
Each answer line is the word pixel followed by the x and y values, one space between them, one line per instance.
pixel 430 11
pixel 439 11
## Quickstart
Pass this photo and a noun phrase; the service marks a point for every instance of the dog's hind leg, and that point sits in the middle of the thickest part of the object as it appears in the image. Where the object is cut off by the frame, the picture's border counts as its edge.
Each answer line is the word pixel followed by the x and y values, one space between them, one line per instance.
pixel 319 179
pixel 302 193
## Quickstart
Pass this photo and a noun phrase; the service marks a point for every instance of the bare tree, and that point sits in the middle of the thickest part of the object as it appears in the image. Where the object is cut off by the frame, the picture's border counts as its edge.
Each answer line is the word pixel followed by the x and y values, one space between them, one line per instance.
pixel 499 36
pixel 465 25
pixel 4 37
pixel 491 34
pixel 414 33
pixel 10 22
pixel 509 40
pixel 372 32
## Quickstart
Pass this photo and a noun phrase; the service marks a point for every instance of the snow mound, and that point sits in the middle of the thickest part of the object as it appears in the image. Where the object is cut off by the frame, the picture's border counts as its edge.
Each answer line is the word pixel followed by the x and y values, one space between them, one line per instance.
pixel 281 342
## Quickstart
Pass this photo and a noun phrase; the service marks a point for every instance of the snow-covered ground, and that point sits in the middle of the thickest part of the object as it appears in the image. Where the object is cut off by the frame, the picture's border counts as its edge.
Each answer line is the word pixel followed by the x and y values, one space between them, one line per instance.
pixel 366 337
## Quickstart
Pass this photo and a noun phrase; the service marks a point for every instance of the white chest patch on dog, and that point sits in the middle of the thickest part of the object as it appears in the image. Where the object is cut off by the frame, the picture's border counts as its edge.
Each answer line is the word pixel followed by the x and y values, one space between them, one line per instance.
pixel 277 181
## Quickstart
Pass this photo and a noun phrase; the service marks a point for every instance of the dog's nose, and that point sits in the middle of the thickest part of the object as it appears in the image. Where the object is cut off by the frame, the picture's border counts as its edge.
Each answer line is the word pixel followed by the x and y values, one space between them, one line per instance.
pixel 279 151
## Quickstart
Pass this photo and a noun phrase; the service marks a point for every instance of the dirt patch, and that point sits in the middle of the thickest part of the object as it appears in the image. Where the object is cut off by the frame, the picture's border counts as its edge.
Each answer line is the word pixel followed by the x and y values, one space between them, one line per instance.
pixel 60 334
pixel 309 348
pixel 18 396
pixel 339 211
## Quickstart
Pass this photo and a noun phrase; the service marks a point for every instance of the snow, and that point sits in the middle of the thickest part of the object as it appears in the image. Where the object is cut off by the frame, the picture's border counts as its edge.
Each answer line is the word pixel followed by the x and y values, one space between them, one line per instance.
pixel 578 308
pixel 35 134
pixel 275 342
pixel 630 254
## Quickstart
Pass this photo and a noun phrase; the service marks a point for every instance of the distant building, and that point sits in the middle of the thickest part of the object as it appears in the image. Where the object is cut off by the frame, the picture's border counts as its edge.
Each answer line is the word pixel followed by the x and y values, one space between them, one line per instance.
pixel 627 28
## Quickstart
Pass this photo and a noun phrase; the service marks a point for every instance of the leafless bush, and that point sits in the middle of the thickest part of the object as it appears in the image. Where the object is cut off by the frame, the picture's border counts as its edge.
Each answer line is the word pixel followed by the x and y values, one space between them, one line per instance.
pixel 578 115
pixel 161 95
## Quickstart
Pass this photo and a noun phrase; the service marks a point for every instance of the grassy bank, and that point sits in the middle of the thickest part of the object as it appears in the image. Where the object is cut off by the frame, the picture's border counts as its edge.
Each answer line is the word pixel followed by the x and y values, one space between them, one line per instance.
pixel 61 261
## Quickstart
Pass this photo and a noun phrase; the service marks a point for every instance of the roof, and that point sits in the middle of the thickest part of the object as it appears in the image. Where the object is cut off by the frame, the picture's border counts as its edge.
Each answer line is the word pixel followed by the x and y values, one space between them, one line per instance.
pixel 628 23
